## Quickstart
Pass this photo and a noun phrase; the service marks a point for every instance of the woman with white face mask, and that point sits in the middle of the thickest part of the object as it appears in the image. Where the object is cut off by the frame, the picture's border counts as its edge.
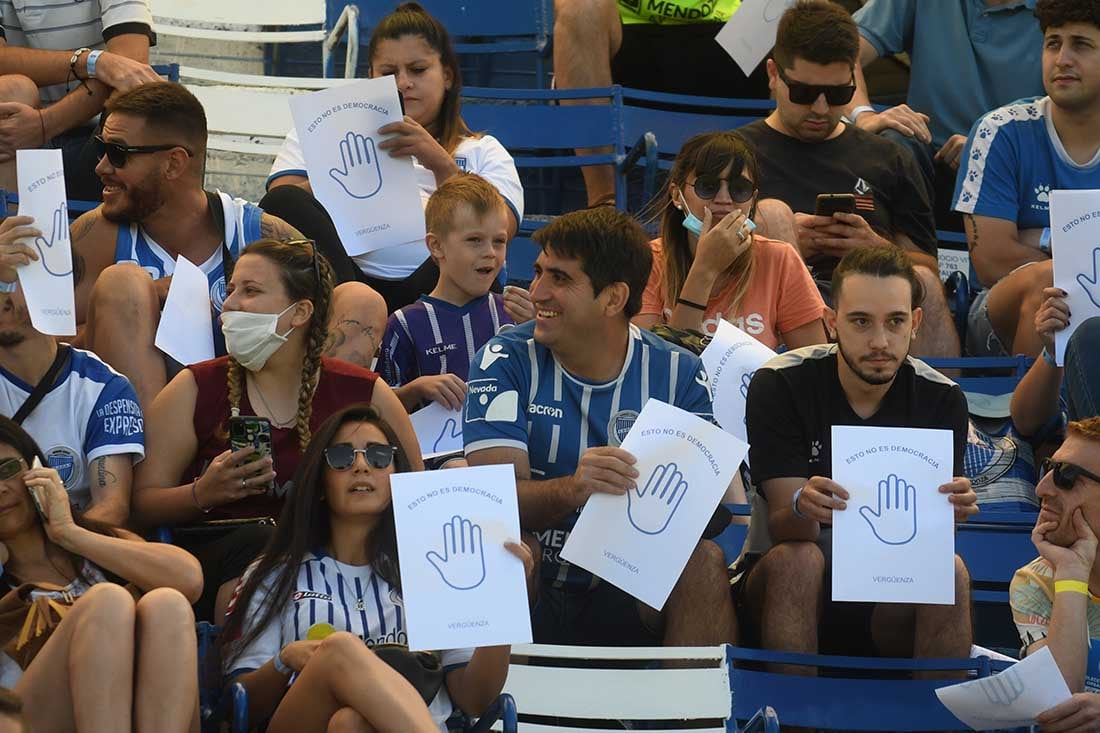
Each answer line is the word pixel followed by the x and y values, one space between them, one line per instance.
pixel 275 324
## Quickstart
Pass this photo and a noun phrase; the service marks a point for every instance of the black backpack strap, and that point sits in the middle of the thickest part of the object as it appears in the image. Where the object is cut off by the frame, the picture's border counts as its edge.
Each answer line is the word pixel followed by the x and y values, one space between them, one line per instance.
pixel 44 384
pixel 214 202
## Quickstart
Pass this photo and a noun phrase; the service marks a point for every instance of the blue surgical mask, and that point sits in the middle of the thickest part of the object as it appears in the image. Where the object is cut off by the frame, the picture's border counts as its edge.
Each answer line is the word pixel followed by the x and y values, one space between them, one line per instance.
pixel 691 222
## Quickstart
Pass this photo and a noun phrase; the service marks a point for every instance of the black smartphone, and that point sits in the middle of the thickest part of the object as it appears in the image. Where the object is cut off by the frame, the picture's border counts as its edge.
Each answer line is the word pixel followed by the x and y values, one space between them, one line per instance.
pixel 830 203
pixel 401 101
pixel 34 494
pixel 251 431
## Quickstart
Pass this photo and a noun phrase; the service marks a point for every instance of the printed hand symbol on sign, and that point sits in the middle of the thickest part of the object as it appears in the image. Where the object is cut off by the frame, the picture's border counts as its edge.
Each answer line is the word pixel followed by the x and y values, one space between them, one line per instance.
pixel 1091 285
pixel 462 565
pixel 895 521
pixel 746 380
pixel 650 508
pixel 53 259
pixel 359 174
pixel 1004 688
pixel 451 429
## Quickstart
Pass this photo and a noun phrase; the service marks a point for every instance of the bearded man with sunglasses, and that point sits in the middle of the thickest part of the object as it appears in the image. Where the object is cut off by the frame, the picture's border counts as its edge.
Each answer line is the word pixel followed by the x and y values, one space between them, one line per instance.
pixel 1054 598
pixel 152 152
pixel 805 149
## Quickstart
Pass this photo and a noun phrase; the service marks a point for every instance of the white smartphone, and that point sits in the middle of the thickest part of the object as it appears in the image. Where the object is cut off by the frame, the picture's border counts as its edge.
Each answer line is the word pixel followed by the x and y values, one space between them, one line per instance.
pixel 34 494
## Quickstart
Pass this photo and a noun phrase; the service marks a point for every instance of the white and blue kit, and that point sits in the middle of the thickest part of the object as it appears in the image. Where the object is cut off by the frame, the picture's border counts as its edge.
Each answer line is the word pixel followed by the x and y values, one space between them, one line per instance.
pixel 519 396
pixel 350 598
pixel 1012 161
pixel 242 226
pixel 91 411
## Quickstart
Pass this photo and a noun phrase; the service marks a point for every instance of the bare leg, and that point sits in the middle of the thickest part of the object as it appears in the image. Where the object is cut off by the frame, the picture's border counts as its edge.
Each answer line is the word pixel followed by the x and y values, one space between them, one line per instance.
pixel 937 336
pixel 356 323
pixel 83 679
pixel 946 631
pixel 15 88
pixel 166 685
pixel 346 720
pixel 344 673
pixel 1013 302
pixel 123 313
pixel 587 35
pixel 775 220
pixel 785 597
pixel 699 611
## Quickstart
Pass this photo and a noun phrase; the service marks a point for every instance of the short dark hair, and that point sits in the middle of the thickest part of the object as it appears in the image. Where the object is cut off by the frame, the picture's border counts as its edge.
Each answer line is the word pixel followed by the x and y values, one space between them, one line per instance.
pixel 170 109
pixel 1057 13
pixel 611 246
pixel 878 262
pixel 818 31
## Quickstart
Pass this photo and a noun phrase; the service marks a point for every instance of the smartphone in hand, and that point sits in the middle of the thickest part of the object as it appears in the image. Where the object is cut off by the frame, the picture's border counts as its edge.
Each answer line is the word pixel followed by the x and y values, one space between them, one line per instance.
pixel 34 493
pixel 830 203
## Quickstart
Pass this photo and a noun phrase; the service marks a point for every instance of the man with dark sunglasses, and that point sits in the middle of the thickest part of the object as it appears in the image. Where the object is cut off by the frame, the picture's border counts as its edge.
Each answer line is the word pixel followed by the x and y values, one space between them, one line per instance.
pixel 152 150
pixel 805 149
pixel 1056 598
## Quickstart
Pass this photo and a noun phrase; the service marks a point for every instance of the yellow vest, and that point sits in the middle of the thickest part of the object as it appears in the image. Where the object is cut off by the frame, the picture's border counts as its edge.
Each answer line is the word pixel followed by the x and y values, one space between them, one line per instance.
pixel 676 12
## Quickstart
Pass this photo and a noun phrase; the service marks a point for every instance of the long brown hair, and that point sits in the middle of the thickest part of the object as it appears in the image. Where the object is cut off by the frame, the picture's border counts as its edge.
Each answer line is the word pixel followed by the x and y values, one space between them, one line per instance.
pixel 306 275
pixel 410 19
pixel 706 154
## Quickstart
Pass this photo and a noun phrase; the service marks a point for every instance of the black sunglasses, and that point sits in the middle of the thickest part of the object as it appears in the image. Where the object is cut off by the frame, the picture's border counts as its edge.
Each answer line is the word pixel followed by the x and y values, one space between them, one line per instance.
pixel 341 456
pixel 10 467
pixel 800 93
pixel 1064 474
pixel 707 187
pixel 117 154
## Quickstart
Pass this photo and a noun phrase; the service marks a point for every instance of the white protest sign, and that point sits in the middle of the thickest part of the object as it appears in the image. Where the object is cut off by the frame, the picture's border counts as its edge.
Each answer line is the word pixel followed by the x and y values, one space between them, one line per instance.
pixel 895 542
pixel 373 199
pixel 438 430
pixel 1009 699
pixel 48 282
pixel 185 331
pixel 1075 244
pixel 731 358
pixel 460 586
pixel 749 34
pixel 642 541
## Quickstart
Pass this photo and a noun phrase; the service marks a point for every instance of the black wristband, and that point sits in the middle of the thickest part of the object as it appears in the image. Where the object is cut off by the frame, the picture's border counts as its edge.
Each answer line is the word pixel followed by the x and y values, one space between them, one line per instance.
pixel 691 304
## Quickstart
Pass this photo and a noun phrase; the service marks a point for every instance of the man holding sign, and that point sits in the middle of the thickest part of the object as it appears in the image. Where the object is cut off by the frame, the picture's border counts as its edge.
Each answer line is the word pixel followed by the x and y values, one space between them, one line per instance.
pixel 555 397
pixel 866 379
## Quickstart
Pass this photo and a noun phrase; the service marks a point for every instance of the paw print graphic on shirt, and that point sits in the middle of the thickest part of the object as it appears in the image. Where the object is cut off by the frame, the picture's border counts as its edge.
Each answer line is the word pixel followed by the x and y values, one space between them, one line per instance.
pixel 1042 194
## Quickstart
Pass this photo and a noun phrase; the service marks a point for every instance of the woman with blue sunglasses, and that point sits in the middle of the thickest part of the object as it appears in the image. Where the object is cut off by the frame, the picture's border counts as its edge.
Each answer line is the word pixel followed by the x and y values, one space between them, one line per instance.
pixel 327 589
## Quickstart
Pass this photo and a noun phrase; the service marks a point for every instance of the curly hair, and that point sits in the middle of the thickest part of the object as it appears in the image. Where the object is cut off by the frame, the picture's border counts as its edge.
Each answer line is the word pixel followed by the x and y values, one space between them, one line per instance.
pixel 306 275
pixel 1089 428
pixel 1057 13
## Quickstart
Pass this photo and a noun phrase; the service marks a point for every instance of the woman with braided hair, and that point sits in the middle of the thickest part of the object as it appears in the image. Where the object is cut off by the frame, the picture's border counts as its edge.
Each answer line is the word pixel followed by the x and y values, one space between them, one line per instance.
pixel 275 324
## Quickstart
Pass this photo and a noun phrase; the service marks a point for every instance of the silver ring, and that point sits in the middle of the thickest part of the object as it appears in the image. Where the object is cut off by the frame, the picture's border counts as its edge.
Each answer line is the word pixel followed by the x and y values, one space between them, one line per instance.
pixel 244 483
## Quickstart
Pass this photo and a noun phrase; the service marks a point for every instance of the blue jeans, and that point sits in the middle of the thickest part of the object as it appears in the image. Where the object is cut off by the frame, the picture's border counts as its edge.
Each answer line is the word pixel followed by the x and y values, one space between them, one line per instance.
pixel 1082 370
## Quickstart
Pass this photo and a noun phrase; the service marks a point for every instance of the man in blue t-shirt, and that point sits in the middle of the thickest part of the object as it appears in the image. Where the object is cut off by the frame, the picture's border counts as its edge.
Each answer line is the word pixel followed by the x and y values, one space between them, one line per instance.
pixel 556 396
pixel 1015 156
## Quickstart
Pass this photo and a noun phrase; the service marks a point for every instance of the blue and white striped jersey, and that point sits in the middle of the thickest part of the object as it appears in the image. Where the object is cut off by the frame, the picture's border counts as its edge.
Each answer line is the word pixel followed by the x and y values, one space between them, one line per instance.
pixel 432 336
pixel 350 598
pixel 519 396
pixel 90 412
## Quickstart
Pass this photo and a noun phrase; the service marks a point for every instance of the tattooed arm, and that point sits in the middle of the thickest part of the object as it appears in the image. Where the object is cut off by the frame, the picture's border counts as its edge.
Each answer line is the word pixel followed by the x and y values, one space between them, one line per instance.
pixel 997 246
pixel 93 243
pixel 272 227
pixel 111 479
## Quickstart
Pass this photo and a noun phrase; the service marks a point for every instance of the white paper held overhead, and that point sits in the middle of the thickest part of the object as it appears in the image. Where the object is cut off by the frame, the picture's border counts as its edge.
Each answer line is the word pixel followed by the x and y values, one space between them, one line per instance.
pixel 731 358
pixel 185 331
pixel 1075 245
pixel 749 34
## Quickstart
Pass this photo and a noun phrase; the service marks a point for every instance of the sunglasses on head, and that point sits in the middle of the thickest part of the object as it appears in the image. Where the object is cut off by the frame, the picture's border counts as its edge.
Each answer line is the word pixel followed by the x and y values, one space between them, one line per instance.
pixel 117 154
pixel 10 467
pixel 313 259
pixel 341 456
pixel 835 94
pixel 707 187
pixel 1064 474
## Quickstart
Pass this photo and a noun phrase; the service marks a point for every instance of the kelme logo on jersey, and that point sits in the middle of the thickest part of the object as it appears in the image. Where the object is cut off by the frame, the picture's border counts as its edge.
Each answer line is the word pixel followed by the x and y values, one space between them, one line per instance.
pixel 64 459
pixel 619 425
pixel 217 293
pixel 485 402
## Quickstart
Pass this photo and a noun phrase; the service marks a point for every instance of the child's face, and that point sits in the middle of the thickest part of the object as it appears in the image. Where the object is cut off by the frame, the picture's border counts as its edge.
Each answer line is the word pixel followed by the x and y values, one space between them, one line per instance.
pixel 471 254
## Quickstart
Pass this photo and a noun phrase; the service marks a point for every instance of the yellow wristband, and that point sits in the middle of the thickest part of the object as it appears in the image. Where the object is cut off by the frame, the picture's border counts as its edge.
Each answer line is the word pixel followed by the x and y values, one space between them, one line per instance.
pixel 1071 586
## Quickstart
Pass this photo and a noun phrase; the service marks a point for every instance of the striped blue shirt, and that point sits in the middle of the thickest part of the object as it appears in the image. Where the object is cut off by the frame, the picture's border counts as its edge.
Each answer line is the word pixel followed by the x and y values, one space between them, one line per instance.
pixel 519 396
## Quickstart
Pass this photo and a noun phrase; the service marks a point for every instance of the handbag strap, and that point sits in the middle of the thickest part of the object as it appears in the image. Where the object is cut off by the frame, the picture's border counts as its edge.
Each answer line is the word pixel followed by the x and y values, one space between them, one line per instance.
pixel 43 385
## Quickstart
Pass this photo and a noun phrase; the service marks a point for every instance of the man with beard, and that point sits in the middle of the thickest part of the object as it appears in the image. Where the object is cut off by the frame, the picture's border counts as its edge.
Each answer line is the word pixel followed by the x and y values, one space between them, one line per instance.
pixel 867 378
pixel 1052 597
pixel 87 419
pixel 1015 157
pixel 152 151
pixel 804 149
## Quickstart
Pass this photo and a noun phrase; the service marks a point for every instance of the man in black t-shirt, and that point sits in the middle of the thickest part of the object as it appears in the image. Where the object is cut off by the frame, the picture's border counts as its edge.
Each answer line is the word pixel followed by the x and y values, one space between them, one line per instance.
pixel 804 149
pixel 865 379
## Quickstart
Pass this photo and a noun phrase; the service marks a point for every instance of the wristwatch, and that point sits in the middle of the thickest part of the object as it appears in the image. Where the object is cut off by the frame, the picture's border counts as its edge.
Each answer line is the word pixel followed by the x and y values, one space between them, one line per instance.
pixel 860 110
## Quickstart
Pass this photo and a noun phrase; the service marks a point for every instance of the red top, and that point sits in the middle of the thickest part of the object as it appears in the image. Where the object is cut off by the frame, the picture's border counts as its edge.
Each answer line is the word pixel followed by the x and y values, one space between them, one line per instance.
pixel 339 385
